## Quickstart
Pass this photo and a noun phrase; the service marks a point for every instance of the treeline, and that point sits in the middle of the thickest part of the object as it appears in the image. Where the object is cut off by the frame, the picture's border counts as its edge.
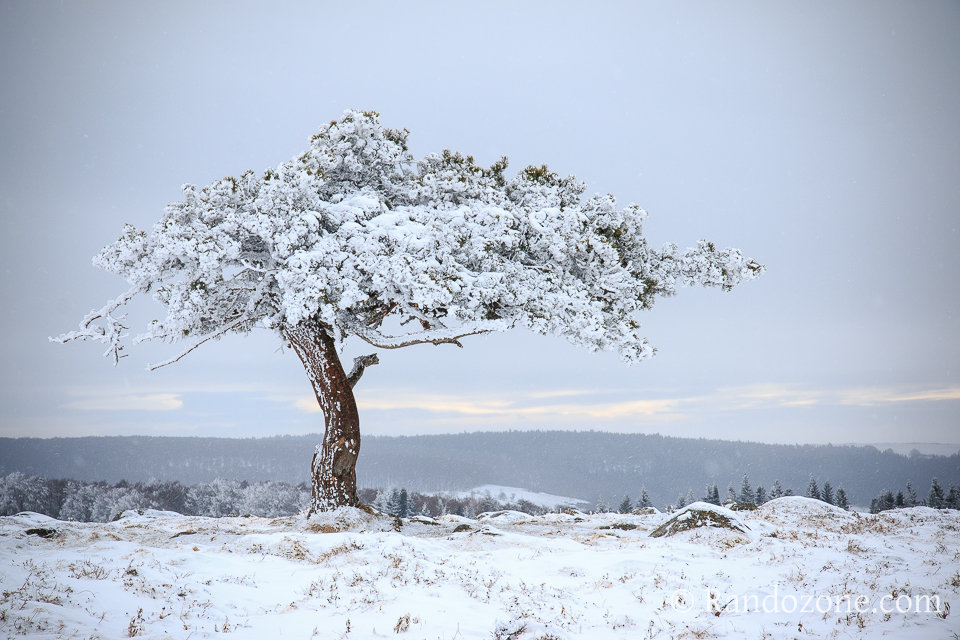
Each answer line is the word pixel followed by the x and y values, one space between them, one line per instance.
pixel 936 498
pixel 101 502
pixel 592 466
pixel 404 504
pixel 746 494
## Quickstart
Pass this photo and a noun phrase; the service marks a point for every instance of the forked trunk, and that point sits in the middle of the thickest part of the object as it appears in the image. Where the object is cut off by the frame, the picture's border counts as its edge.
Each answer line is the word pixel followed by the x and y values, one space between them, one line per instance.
pixel 334 462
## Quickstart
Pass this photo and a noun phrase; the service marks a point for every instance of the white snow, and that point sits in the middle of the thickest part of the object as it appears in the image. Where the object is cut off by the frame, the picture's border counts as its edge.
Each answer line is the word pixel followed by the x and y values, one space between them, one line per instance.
pixel 349 574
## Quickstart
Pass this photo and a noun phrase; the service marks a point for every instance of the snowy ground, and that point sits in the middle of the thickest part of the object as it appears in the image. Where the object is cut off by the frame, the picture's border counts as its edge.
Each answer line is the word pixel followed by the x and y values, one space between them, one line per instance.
pixel 796 572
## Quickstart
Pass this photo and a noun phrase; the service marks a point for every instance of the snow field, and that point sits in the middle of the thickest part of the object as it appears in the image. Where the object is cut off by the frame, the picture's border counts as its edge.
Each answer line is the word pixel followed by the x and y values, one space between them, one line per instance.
pixel 349 574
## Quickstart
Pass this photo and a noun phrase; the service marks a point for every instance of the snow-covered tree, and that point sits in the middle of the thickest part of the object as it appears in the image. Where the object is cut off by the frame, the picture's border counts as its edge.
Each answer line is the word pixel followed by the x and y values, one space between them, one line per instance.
pixel 356 238
pixel 952 501
pixel 712 494
pixel 761 494
pixel 911 496
pixel 826 494
pixel 644 502
pixel 935 497
pixel 746 492
pixel 20 492
pixel 776 491
pixel 625 505
pixel 813 491
pixel 841 499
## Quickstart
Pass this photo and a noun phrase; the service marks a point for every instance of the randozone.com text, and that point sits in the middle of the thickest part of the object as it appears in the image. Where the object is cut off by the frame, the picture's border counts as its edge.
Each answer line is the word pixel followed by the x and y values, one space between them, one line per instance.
pixel 688 600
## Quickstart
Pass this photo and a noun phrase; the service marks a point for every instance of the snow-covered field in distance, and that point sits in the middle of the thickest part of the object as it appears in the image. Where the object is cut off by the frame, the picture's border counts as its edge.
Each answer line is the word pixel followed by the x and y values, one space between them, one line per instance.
pixel 513 495
pixel 796 571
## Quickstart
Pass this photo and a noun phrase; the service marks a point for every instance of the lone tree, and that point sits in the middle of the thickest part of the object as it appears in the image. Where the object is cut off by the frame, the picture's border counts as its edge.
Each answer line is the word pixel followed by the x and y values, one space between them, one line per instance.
pixel 356 238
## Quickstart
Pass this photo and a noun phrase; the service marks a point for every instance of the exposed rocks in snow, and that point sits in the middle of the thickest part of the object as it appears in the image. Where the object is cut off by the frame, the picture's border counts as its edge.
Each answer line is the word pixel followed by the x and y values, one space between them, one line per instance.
pixel 700 514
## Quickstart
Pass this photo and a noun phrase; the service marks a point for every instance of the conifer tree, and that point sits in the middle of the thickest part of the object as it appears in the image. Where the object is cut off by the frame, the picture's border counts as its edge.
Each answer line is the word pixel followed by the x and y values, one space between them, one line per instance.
pixel 813 491
pixel 761 495
pixel 911 497
pixel 935 496
pixel 644 499
pixel 746 493
pixel 356 238
pixel 952 501
pixel 625 505
pixel 776 491
pixel 842 499
pixel 826 494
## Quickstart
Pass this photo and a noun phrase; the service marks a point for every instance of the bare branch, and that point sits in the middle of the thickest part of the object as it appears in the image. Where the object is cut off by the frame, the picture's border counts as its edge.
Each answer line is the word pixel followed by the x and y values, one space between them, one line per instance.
pixel 110 332
pixel 437 337
pixel 212 336
pixel 360 363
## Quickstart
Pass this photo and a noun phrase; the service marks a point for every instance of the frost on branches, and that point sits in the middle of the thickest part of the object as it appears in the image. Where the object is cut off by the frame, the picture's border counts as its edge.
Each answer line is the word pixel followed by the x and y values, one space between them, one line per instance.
pixel 356 238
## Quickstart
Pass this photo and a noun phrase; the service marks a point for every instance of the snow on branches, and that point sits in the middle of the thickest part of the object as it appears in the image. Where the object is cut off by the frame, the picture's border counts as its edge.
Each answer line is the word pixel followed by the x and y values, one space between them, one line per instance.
pixel 358 236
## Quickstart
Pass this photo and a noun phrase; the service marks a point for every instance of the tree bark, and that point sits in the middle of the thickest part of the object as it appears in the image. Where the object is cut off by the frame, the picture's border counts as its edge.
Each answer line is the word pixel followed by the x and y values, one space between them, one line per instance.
pixel 334 462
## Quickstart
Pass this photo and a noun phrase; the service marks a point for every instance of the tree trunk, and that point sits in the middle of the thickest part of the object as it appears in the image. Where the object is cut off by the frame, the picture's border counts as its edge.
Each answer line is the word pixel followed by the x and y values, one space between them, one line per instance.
pixel 334 462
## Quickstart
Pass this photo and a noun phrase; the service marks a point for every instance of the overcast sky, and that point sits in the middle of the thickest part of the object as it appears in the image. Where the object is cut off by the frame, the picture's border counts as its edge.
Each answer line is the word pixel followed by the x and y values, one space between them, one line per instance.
pixel 821 138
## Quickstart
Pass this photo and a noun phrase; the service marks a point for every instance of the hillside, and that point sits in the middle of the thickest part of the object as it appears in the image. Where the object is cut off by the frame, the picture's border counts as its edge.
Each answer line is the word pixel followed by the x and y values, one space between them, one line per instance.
pixel 589 465
pixel 798 569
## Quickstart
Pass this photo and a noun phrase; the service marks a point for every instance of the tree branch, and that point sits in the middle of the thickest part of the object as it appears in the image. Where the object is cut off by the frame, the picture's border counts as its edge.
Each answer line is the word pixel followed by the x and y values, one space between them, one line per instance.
pixel 437 336
pixel 112 330
pixel 360 363
pixel 212 336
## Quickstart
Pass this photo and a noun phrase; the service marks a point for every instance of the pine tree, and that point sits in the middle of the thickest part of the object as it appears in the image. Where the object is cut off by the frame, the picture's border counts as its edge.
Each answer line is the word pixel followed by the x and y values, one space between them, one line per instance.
pixel 887 500
pixel 403 504
pixel 911 497
pixel 827 493
pixel 681 501
pixel 355 237
pixel 761 495
pixel 746 492
pixel 731 494
pixel 644 499
pixel 625 505
pixel 953 498
pixel 393 503
pixel 776 491
pixel 842 499
pixel 935 497
pixel 813 491
pixel 712 495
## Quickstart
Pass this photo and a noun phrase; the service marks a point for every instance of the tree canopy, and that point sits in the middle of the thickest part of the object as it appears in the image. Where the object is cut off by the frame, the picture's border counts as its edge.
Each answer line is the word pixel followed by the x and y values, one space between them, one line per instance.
pixel 358 236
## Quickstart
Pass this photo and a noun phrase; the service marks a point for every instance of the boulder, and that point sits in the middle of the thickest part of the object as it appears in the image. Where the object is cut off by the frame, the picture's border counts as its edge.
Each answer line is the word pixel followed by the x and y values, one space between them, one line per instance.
pixel 700 514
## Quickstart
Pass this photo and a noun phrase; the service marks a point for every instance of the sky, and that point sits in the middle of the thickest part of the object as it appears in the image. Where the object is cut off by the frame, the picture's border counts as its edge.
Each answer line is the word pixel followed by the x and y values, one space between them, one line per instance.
pixel 821 138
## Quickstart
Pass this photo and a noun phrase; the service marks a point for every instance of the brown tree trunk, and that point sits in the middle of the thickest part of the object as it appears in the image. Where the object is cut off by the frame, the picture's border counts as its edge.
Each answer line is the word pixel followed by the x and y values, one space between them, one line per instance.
pixel 334 462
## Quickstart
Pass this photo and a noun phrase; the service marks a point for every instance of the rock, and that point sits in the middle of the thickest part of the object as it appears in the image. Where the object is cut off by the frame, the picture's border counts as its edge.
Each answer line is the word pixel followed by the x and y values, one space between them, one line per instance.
pixel 699 514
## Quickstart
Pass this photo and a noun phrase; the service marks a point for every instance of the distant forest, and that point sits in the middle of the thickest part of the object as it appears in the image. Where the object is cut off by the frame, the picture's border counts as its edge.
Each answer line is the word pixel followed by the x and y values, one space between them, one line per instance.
pixel 598 467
